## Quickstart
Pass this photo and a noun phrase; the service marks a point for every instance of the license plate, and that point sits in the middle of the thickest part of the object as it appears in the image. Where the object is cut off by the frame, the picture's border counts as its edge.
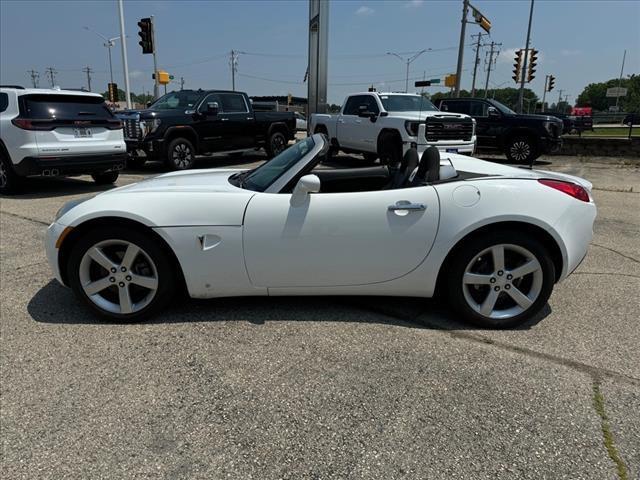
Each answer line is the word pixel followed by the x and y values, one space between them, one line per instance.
pixel 82 133
pixel 452 150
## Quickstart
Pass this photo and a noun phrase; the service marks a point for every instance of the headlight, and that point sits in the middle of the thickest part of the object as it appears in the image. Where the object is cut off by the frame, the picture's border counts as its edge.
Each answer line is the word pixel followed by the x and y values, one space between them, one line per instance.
pixel 411 127
pixel 69 205
pixel 149 126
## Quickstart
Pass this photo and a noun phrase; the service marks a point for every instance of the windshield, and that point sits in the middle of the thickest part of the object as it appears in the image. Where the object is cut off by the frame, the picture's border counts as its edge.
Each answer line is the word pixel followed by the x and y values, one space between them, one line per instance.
pixel 406 103
pixel 262 177
pixel 177 100
pixel 502 108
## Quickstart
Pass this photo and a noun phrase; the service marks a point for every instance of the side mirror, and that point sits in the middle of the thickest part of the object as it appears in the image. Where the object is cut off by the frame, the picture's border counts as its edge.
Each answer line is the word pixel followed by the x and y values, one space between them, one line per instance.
pixel 306 185
pixel 493 112
pixel 363 111
pixel 149 104
pixel 212 108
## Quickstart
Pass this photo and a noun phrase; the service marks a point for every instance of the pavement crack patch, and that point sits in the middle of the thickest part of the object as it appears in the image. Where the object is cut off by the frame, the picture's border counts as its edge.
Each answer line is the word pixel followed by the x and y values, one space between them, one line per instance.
pixel 607 434
pixel 616 251
pixel 22 217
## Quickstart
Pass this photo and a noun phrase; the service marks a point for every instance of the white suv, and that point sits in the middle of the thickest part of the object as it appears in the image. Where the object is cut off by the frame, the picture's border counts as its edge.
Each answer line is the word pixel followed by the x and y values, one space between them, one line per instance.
pixel 57 133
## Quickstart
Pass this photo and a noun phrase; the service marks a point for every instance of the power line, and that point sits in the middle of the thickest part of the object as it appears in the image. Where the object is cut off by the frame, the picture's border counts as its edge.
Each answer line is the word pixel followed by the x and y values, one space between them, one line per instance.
pixel 51 73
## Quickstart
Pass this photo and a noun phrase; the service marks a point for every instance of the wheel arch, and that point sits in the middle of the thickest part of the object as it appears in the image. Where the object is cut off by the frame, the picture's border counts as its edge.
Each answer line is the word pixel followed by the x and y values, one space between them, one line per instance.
pixel 521 132
pixel 393 131
pixel 182 132
pixel 278 127
pixel 536 231
pixel 78 231
pixel 4 151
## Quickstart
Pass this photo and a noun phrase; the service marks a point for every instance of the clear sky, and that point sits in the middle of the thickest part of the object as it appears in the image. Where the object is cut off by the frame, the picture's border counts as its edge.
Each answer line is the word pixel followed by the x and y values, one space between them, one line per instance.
pixel 580 42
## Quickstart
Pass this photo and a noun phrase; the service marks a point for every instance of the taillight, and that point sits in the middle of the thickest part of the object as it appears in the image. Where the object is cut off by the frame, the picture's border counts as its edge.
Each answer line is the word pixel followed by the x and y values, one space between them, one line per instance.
pixel 572 189
pixel 27 124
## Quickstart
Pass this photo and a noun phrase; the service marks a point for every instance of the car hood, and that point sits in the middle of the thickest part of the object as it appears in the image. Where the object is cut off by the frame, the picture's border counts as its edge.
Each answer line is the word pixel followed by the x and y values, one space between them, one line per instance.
pixel 474 165
pixel 203 180
pixel 428 114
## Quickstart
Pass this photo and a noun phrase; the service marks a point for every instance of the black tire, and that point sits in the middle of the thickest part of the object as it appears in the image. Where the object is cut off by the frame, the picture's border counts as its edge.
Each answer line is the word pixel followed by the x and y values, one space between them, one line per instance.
pixel 181 155
pixel 10 183
pixel 370 157
pixel 390 149
pixel 166 275
pixel 467 300
pixel 521 149
pixel 136 162
pixel 276 144
pixel 333 150
pixel 105 178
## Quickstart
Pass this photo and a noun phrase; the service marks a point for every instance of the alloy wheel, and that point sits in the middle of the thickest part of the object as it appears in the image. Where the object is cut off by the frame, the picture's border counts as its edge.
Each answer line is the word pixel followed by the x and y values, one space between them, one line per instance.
pixel 182 155
pixel 502 281
pixel 520 150
pixel 277 144
pixel 118 276
pixel 3 175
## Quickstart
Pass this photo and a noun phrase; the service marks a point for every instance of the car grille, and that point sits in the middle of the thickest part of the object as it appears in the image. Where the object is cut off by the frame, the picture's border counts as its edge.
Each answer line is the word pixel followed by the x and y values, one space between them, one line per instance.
pixel 132 130
pixel 438 129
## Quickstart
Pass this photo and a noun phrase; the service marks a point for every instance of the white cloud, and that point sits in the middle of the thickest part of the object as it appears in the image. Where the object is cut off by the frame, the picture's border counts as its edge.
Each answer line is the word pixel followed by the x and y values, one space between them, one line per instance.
pixel 507 55
pixel 364 11
pixel 414 3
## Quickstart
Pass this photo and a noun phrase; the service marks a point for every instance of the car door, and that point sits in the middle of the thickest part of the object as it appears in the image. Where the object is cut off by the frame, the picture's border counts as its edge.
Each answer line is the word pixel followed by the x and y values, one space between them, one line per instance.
pixel 238 121
pixel 333 239
pixel 210 127
pixel 349 124
pixel 488 128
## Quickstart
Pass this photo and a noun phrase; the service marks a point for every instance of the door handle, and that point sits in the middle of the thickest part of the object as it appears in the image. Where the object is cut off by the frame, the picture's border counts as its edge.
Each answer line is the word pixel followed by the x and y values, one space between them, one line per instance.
pixel 406 205
pixel 358 121
pixel 340 121
pixel 224 119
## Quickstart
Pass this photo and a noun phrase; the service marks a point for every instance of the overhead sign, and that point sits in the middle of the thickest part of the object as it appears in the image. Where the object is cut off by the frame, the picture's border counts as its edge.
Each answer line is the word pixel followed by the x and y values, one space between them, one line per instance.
pixel 450 80
pixel 616 92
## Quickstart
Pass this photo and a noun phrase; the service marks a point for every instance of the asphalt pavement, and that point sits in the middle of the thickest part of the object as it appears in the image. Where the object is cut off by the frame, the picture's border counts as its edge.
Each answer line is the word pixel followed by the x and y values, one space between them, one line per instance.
pixel 322 388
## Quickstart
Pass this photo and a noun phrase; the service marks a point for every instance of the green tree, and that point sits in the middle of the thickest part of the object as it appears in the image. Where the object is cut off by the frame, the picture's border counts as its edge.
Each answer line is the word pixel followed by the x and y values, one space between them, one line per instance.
pixel 594 95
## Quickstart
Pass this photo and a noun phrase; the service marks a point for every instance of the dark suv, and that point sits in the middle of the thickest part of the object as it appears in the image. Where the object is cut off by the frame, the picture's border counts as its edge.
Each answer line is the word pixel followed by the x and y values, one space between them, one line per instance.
pixel 180 125
pixel 522 138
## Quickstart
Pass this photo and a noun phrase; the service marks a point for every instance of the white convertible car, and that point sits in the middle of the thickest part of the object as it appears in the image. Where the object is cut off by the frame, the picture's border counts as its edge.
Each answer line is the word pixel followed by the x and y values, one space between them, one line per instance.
pixel 493 238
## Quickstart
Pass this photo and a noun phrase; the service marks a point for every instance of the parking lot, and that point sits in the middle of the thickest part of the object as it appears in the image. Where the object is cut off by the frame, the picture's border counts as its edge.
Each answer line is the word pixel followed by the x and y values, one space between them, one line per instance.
pixel 319 388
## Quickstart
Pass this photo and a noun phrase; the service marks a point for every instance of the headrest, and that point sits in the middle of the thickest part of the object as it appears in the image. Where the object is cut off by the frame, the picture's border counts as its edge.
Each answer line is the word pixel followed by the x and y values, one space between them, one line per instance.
pixel 429 168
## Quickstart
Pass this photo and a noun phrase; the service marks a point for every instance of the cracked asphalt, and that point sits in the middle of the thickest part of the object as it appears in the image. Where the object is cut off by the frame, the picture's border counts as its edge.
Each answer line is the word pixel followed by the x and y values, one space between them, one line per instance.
pixel 322 388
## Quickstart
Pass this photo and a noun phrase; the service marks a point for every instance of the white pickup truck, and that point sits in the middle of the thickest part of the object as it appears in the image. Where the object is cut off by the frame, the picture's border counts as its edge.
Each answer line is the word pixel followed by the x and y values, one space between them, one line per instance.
pixel 386 125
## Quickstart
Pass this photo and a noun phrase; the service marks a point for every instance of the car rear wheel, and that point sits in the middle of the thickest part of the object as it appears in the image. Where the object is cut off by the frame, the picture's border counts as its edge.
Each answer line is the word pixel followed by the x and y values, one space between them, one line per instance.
pixel 180 154
pixel 9 181
pixel 105 178
pixel 521 150
pixel 121 274
pixel 277 144
pixel 501 279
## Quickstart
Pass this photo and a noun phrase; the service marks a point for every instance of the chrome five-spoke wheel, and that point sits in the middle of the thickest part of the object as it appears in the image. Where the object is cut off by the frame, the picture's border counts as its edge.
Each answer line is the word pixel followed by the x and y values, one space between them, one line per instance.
pixel 118 276
pixel 502 281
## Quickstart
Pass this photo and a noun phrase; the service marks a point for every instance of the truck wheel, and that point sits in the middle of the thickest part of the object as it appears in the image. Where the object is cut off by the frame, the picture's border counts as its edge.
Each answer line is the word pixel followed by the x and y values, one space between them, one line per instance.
pixel 370 157
pixel 277 144
pixel 180 154
pixel 9 181
pixel 390 149
pixel 521 150
pixel 136 162
pixel 105 178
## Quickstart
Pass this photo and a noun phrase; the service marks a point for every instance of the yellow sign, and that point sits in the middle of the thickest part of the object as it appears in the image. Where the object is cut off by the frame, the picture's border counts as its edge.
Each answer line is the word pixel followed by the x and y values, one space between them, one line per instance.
pixel 450 80
pixel 163 77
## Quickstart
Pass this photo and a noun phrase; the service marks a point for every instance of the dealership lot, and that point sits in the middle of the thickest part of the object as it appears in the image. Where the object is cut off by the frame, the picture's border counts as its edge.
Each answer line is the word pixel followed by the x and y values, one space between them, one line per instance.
pixel 323 387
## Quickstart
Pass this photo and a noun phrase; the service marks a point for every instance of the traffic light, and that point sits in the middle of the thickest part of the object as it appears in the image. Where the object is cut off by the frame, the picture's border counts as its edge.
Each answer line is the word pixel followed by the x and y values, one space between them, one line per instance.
pixel 531 68
pixel 112 92
pixel 517 66
pixel 481 20
pixel 550 85
pixel 146 35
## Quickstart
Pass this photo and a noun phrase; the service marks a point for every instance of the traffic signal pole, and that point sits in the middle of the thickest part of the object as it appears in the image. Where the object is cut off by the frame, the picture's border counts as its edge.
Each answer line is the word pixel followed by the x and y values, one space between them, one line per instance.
pixel 463 27
pixel 544 93
pixel 524 61
pixel 155 59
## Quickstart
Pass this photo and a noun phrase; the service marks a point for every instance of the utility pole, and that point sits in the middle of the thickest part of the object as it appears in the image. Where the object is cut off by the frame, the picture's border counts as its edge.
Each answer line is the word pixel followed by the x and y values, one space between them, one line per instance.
pixel 234 68
pixel 491 52
pixel 88 71
pixel 463 27
pixel 624 56
pixel 51 73
pixel 559 99
pixel 544 93
pixel 156 85
pixel 34 77
pixel 125 64
pixel 475 65
pixel 181 83
pixel 524 62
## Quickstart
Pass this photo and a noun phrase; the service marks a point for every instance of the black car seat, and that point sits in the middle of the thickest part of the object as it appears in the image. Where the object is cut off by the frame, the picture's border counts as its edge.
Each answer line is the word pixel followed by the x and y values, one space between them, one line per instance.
pixel 407 165
pixel 429 168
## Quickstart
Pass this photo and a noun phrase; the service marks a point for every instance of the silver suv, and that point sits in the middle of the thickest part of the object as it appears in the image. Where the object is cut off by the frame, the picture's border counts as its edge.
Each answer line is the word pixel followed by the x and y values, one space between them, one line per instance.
pixel 57 133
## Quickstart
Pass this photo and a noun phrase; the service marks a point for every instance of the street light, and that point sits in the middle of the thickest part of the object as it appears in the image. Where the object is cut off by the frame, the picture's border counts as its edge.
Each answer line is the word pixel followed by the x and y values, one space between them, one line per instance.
pixel 409 61
pixel 110 42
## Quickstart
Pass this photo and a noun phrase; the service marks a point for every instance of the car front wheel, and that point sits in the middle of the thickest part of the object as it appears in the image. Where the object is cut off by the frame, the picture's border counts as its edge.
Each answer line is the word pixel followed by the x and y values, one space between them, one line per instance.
pixel 120 273
pixel 500 280
pixel 180 154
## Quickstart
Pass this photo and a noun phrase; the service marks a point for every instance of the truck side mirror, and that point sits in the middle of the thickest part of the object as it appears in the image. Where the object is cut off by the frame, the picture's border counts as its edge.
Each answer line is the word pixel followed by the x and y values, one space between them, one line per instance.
pixel 493 112
pixel 212 108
